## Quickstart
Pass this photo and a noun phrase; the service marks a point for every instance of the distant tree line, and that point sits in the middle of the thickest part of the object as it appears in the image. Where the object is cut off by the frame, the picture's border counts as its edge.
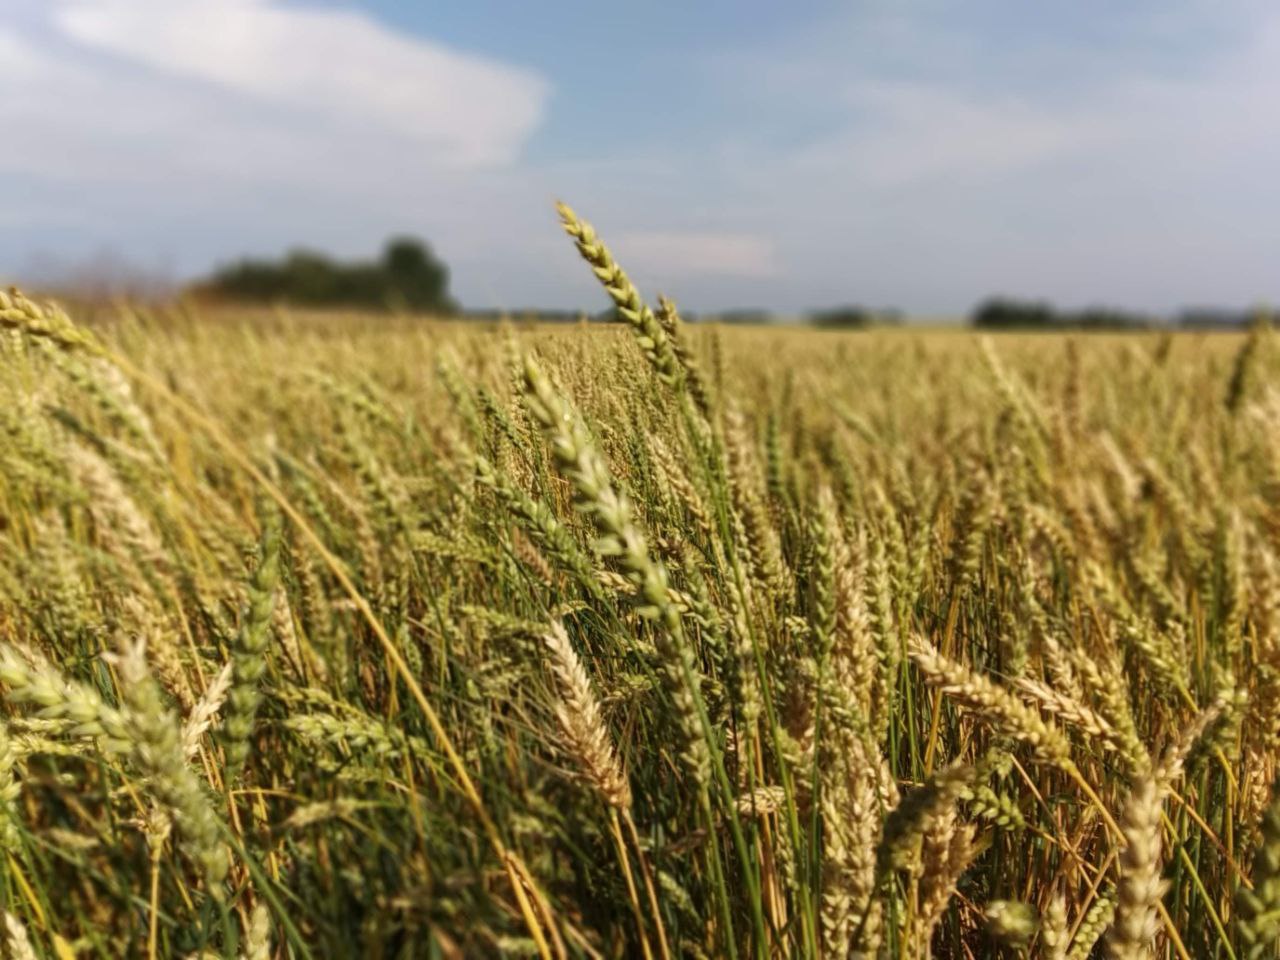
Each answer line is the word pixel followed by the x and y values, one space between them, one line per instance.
pixel 854 316
pixel 1222 318
pixel 407 277
pixel 1002 313
pixel 845 317
pixel 539 315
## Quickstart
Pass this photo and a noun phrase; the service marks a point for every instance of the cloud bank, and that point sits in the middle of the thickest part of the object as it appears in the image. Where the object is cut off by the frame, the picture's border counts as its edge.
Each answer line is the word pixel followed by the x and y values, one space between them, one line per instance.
pixel 335 65
pixel 183 132
pixel 892 154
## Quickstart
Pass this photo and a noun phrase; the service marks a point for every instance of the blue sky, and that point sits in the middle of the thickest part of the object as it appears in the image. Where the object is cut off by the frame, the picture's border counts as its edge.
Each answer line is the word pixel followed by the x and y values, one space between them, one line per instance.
pixel 919 153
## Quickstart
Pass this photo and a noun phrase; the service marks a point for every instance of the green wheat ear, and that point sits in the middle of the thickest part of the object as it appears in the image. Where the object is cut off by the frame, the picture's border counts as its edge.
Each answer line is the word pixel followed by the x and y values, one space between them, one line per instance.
pixel 650 335
pixel 249 651
pixel 1258 919
pixel 46 322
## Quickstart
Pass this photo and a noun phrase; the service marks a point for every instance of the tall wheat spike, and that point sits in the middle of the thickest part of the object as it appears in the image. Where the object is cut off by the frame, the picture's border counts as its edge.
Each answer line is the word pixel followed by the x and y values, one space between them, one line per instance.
pixel 875 644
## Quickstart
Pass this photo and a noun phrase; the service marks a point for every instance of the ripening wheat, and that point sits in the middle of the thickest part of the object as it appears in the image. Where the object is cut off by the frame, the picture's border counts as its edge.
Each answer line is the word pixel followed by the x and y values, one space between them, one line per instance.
pixel 339 635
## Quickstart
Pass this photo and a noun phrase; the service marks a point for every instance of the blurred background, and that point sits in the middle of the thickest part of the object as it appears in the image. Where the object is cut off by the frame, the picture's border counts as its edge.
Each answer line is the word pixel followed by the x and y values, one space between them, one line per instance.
pixel 1088 163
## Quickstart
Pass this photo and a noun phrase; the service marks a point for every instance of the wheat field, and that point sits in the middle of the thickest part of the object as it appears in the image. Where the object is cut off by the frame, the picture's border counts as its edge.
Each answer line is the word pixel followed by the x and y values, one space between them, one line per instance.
pixel 383 637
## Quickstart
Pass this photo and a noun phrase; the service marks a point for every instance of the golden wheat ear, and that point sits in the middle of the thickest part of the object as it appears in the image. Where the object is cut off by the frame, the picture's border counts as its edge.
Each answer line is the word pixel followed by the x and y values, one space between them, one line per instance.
pixel 582 723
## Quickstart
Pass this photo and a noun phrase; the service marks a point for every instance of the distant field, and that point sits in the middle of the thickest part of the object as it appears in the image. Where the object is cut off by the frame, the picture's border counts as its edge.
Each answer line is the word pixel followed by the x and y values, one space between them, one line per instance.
pixel 341 636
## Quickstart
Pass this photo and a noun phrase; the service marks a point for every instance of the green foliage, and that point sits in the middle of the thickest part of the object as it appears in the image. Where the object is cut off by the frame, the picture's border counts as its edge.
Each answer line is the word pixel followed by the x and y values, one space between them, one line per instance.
pixel 408 277
pixel 842 318
pixel 853 317
pixel 1002 313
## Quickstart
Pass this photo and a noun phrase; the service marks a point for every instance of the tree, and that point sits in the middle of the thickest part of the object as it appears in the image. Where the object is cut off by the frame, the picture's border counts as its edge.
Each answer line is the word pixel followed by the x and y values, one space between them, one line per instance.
pixel 408 277
pixel 855 317
pixel 415 276
pixel 1001 313
pixel 850 317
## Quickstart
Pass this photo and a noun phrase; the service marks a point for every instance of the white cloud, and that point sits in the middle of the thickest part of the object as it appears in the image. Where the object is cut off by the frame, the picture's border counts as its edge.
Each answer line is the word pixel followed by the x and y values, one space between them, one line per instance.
pixel 190 132
pixel 203 97
pixel 697 253
pixel 915 98
pixel 1126 182
pixel 906 158
pixel 323 63
pixel 910 132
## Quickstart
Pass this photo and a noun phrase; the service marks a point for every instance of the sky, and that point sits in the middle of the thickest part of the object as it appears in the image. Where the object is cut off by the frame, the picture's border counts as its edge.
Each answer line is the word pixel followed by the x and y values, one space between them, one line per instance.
pixel 919 154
